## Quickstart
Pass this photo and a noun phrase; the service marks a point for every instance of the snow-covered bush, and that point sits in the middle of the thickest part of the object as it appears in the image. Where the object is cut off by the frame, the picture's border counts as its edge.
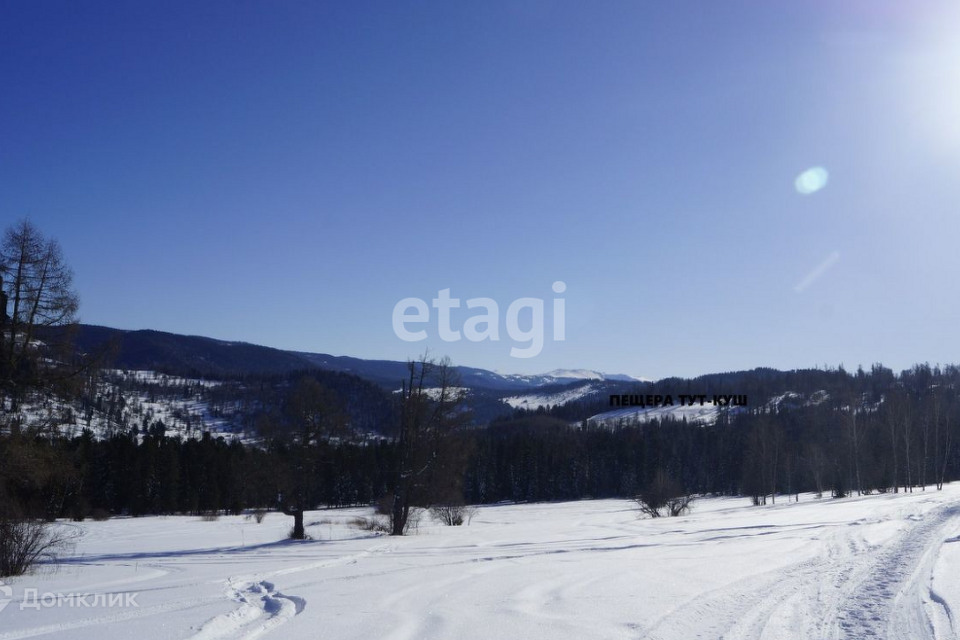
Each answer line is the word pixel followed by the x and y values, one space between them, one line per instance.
pixel 453 515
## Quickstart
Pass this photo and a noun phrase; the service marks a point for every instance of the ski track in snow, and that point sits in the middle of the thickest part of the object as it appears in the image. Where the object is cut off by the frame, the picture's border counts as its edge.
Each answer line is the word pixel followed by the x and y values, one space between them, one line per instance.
pixel 894 597
pixel 832 570
pixel 852 591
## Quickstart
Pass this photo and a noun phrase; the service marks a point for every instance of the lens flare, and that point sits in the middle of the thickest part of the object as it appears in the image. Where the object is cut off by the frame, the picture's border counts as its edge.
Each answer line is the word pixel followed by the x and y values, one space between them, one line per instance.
pixel 817 271
pixel 812 180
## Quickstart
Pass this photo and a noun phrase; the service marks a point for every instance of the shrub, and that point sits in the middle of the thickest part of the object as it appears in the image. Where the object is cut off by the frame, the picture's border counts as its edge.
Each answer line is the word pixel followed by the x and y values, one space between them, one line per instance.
pixel 376 524
pixel 413 520
pixel 679 505
pixel 80 510
pixel 663 496
pixel 26 542
pixel 100 514
pixel 453 515
pixel 210 516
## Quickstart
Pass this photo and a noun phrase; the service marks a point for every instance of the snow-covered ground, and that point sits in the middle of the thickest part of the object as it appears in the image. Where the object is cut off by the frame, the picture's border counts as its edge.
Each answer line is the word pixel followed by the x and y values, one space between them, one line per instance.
pixel 696 414
pixel 134 399
pixel 873 567
pixel 704 414
pixel 555 399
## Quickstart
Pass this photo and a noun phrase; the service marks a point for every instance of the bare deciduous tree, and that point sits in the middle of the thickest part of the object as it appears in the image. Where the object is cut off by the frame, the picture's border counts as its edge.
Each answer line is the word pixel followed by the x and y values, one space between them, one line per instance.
pixel 762 463
pixel 431 411
pixel 817 463
pixel 856 433
pixel 312 415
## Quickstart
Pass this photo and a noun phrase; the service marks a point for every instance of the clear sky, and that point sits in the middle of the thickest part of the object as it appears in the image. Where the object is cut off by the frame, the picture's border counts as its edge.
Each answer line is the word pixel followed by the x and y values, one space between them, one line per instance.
pixel 284 172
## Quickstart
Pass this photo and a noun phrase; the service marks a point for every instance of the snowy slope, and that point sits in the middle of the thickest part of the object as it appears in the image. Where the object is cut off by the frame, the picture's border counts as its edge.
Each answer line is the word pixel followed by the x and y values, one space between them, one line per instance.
pixel 547 399
pixel 697 414
pixel 563 376
pixel 124 400
pixel 705 414
pixel 874 567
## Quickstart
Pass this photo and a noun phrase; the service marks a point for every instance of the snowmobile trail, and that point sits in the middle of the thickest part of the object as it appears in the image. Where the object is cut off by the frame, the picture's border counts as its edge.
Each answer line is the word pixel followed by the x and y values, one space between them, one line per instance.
pixel 880 566
pixel 894 597
pixel 851 589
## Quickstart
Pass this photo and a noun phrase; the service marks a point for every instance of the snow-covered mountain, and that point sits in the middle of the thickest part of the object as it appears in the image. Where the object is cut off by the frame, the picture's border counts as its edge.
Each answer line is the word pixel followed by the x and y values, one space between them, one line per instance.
pixel 139 401
pixel 563 376
pixel 697 414
pixel 547 398
pixel 704 414
pixel 196 356
pixel 192 384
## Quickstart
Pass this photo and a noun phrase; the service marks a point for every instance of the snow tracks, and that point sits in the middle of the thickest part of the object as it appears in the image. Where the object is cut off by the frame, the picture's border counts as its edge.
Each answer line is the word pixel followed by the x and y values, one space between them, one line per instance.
pixel 262 608
pixel 852 590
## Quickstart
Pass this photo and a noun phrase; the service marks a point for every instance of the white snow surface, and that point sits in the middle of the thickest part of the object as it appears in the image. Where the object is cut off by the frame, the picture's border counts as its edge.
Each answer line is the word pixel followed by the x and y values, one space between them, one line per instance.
pixel 556 399
pixel 586 374
pixel 160 397
pixel 704 414
pixel 698 414
pixel 883 566
pixel 560 376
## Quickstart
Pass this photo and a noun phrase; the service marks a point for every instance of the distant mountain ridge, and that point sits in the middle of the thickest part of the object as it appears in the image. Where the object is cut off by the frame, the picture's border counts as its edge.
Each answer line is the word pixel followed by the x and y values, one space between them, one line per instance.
pixel 236 374
pixel 147 349
pixel 562 376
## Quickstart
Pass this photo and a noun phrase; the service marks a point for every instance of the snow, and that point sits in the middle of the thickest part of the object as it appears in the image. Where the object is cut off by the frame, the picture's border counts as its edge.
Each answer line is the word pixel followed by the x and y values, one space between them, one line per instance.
pixel 434 393
pixel 576 374
pixel 792 399
pixel 697 414
pixel 881 566
pixel 568 375
pixel 142 375
pixel 563 376
pixel 945 588
pixel 559 398
pixel 590 374
pixel 146 397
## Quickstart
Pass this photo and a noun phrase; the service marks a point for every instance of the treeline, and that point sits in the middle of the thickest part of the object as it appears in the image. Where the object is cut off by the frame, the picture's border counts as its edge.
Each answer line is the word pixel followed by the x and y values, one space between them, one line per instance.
pixel 531 459
pixel 901 437
pixel 863 432
pixel 85 476
pixel 813 430
pixel 759 385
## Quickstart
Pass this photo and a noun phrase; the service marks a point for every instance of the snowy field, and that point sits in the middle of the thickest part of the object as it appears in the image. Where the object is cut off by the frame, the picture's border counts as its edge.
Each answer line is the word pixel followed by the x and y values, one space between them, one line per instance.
pixel 873 567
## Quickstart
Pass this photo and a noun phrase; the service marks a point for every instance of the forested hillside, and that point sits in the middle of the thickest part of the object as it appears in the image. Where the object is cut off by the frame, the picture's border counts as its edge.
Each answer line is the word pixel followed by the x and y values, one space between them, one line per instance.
pixel 217 425
pixel 831 431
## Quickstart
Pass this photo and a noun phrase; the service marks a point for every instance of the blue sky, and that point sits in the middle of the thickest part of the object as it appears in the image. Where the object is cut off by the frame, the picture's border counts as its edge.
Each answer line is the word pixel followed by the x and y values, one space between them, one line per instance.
pixel 283 173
